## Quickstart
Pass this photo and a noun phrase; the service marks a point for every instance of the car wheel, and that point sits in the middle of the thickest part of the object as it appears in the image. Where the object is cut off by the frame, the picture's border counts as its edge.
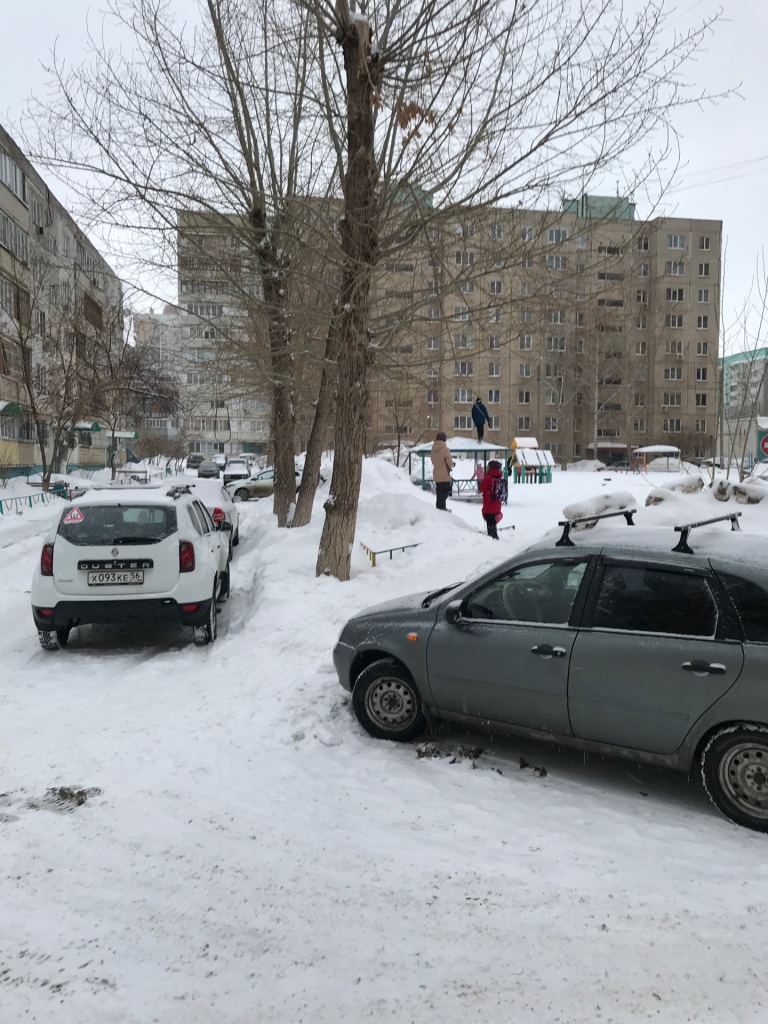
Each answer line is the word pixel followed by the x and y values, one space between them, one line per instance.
pixel 49 641
pixel 236 540
pixel 224 588
pixel 734 769
pixel 242 494
pixel 207 633
pixel 387 703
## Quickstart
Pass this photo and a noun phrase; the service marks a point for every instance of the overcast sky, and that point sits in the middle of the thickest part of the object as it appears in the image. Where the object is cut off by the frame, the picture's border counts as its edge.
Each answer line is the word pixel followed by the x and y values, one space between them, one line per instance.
pixel 724 148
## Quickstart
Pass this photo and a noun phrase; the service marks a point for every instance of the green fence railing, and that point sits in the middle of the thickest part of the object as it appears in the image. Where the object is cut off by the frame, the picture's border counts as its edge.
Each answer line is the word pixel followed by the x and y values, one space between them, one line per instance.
pixel 9 505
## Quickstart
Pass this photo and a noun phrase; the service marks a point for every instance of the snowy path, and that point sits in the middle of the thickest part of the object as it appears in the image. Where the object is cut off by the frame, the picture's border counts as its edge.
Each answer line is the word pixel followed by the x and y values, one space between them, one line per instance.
pixel 253 856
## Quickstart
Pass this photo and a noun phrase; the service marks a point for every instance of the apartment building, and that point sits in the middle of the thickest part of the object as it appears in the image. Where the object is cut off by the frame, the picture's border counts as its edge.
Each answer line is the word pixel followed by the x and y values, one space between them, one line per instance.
pixel 586 327
pixel 213 414
pixel 56 292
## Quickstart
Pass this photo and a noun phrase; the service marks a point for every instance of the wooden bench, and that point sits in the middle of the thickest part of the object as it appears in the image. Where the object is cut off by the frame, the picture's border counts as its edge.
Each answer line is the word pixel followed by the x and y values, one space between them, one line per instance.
pixel 374 554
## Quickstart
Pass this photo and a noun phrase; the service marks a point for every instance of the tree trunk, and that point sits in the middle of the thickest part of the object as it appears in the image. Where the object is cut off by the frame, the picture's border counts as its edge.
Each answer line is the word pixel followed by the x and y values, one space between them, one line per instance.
pixel 320 423
pixel 359 249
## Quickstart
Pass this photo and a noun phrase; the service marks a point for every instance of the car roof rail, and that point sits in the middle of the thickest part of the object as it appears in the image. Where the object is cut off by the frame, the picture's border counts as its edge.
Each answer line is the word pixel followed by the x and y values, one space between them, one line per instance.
pixel 177 490
pixel 568 524
pixel 682 544
pixel 122 485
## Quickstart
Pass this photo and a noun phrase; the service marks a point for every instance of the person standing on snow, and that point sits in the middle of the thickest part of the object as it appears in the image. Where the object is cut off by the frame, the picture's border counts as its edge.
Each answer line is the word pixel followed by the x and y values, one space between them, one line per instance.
pixel 442 464
pixel 492 489
pixel 480 417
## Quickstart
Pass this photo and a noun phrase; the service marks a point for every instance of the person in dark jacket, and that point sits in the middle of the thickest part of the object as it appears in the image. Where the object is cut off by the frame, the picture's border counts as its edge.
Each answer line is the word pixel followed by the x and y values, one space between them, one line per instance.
pixel 480 417
pixel 492 489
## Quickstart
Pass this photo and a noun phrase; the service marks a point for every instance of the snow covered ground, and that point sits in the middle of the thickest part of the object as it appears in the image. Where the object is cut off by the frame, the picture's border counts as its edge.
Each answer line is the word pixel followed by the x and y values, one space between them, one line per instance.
pixel 243 852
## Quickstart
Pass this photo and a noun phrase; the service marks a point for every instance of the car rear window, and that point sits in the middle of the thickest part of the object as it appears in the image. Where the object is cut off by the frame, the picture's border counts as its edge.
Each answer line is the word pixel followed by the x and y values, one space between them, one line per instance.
pixel 117 524
pixel 751 604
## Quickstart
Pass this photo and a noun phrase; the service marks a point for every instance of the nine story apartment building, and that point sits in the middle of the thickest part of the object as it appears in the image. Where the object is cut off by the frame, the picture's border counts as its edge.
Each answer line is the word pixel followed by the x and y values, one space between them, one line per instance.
pixel 585 327
pixel 56 292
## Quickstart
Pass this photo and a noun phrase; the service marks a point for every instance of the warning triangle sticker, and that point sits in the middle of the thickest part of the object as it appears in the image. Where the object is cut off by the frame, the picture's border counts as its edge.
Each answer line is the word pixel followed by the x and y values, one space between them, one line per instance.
pixel 73 516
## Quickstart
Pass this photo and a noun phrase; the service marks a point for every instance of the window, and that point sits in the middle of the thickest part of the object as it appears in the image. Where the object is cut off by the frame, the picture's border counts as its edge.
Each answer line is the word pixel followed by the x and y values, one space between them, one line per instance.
pixel 551 423
pixel 494 341
pixel 642 245
pixel 525 342
pixel 432 422
pixel 527 262
pixel 751 604
pixel 641 296
pixel 644 600
pixel 553 370
pixel 703 294
pixel 555 344
pixel 525 289
pixel 578 398
pixel 523 422
pixel 703 270
pixel 639 399
pixel 494 315
pixel 495 423
pixel 702 323
pixel 525 370
pixel 462 368
pixel 673 373
pixel 702 348
pixel 526 234
pixel 579 320
pixel 14 237
pixel 607 432
pixel 701 400
pixel 462 313
pixel 639 426
pixel 672 398
pixel 550 398
pixel 526 316
pixel 462 422
pixel 701 373
pixel 433 234
pixel 13 176
pixel 641 323
pixel 433 344
pixel 641 348
pixel 496 287
pixel 643 269
pixel 704 242
pixel 464 230
pixel 674 268
pixel 508 597
pixel 579 346
pixel 700 426
pixel 557 235
pixel 494 369
pixel 524 397
pixel 675 241
pixel 494 396
pixel 674 320
pixel 433 313
pixel 613 303
pixel 465 258
pixel 463 341
pixel 467 287
pixel 673 348
pixel 556 262
pixel 581 294
pixel 581 242
pixel 462 396
pixel 432 372
pixel 497 232
pixel 675 294
pixel 557 316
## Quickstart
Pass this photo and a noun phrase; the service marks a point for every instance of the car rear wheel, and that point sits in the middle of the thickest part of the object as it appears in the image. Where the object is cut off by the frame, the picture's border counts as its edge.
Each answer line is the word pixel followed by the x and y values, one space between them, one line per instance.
pixel 387 703
pixel 242 494
pixel 734 769
pixel 207 633
pixel 49 640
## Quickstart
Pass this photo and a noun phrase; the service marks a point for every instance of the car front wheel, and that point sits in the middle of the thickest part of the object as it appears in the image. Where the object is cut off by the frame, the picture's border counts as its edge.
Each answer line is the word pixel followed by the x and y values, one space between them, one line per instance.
pixel 387 703
pixel 734 769
pixel 242 494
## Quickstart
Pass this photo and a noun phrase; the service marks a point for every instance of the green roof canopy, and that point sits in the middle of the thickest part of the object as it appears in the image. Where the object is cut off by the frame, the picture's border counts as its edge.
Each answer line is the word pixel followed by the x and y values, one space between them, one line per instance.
pixel 10 409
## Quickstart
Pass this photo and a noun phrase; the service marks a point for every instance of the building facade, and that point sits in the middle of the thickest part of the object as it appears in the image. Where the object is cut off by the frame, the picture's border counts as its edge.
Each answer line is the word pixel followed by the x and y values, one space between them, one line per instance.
pixel 56 294
pixel 585 327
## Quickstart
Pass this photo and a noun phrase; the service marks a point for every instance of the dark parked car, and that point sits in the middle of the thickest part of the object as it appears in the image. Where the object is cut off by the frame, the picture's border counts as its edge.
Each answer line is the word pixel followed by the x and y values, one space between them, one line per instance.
pixel 616 643
pixel 209 469
pixel 194 460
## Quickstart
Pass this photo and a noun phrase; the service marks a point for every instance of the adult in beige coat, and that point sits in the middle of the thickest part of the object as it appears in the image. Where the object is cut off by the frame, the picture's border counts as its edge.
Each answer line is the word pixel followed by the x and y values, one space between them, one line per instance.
pixel 442 464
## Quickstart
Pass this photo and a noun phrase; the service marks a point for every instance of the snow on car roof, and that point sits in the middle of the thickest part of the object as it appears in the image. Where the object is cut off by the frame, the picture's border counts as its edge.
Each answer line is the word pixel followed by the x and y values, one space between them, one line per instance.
pixel 138 494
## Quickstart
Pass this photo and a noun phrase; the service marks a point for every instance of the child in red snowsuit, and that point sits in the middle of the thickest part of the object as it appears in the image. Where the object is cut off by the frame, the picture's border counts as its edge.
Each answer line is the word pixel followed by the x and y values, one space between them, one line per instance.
pixel 492 489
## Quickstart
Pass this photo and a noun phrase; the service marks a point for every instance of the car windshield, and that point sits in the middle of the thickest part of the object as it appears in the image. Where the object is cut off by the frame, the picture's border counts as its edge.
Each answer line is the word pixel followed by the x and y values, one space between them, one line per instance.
pixel 117 524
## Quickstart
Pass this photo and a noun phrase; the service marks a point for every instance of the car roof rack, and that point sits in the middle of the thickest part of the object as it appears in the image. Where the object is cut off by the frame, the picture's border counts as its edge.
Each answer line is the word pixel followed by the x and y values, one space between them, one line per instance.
pixel 568 524
pixel 682 544
pixel 177 490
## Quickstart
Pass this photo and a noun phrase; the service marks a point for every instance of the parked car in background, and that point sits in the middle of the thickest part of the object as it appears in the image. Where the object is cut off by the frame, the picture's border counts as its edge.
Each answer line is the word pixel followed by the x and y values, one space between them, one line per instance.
pixel 146 554
pixel 644 644
pixel 220 506
pixel 194 460
pixel 220 459
pixel 621 467
pixel 209 468
pixel 236 469
pixel 260 485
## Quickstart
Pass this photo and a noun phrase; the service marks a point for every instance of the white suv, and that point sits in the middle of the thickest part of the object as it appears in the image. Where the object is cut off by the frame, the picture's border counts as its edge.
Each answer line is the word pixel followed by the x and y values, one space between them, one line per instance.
pixel 140 553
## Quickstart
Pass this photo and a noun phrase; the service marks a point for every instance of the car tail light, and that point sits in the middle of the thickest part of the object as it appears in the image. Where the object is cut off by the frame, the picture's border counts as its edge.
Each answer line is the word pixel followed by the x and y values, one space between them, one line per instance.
pixel 186 556
pixel 47 612
pixel 218 516
pixel 190 607
pixel 46 560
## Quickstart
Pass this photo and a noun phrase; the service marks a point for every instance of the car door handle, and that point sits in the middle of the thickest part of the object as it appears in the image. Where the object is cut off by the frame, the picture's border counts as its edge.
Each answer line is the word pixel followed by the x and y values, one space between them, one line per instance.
pixel 548 651
pixel 703 668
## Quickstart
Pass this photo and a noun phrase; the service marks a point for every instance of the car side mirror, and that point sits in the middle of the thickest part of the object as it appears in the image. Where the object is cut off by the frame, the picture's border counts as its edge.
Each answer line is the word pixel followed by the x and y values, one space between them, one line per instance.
pixel 225 526
pixel 453 612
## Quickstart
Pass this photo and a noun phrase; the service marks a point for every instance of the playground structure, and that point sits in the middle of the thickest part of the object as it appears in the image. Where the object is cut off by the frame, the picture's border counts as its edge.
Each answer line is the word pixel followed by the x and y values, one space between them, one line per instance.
pixel 528 463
